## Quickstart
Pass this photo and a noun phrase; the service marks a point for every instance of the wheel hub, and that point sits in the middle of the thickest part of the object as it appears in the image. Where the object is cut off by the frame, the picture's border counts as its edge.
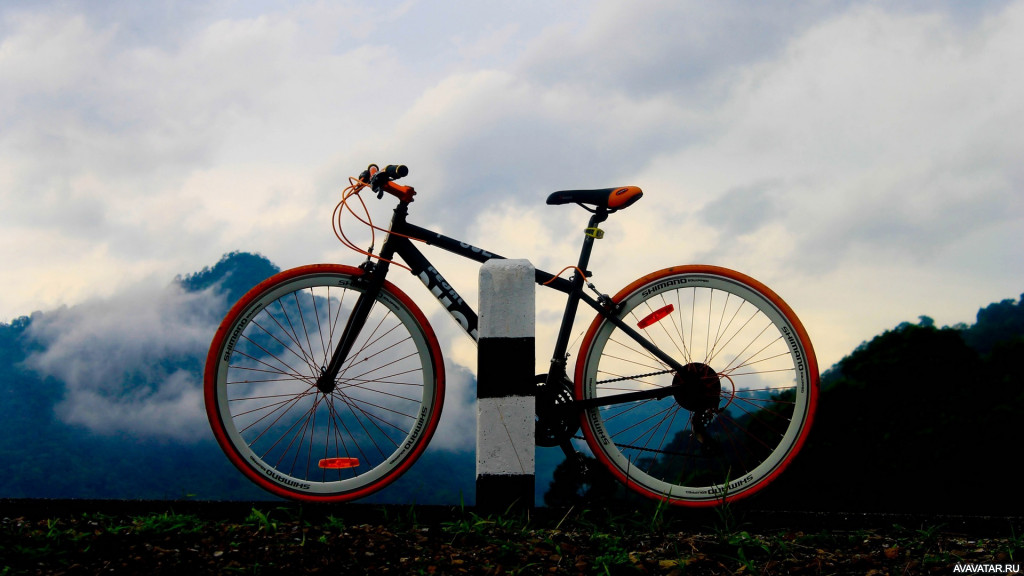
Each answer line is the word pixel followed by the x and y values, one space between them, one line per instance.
pixel 325 383
pixel 698 388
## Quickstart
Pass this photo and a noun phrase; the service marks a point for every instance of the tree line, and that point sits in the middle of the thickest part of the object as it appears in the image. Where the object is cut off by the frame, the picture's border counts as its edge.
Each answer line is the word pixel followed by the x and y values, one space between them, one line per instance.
pixel 919 419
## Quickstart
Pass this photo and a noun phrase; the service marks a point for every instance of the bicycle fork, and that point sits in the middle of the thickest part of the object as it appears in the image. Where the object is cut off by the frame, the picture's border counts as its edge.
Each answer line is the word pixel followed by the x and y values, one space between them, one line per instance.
pixel 327 381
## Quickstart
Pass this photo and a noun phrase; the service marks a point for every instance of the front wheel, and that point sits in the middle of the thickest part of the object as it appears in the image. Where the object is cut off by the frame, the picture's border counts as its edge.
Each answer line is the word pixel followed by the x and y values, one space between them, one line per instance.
pixel 296 440
pixel 735 415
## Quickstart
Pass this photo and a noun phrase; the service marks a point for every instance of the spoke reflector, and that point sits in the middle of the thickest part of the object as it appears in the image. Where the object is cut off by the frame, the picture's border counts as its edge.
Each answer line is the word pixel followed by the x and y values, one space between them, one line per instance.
pixel 338 463
pixel 655 316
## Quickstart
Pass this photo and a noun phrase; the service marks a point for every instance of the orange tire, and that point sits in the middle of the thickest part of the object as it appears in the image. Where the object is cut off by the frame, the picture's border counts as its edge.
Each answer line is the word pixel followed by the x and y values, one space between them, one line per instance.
pixel 288 436
pixel 732 420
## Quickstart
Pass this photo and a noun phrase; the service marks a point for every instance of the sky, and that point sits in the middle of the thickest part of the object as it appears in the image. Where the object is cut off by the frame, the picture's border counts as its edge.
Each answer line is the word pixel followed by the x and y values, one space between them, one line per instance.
pixel 863 159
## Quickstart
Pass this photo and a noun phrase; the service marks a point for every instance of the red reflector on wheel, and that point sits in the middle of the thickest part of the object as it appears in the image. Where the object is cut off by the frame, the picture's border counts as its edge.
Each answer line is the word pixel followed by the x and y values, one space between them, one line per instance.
pixel 337 463
pixel 655 316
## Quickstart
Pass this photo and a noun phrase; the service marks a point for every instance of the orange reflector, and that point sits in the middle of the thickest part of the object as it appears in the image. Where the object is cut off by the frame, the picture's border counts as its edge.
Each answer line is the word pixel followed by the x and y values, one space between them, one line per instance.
pixel 337 463
pixel 655 316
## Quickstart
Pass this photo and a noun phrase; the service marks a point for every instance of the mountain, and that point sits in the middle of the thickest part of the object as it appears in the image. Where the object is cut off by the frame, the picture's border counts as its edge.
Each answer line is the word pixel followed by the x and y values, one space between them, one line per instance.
pixel 103 400
pixel 49 451
pixel 919 419
pixel 232 276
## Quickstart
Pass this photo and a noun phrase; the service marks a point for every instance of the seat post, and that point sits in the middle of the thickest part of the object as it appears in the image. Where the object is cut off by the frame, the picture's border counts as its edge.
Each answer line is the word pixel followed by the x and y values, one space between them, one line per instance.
pixel 588 242
pixel 558 359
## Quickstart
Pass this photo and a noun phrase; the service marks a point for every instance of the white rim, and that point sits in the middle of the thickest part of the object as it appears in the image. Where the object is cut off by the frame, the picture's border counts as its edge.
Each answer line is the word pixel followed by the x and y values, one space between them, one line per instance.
pixel 801 384
pixel 407 446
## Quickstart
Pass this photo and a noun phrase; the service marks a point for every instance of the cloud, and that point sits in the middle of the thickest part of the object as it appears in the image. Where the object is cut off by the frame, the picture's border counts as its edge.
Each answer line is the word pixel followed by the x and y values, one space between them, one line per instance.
pixel 130 364
pixel 807 145
pixel 884 130
pixel 687 50
pixel 744 210
pixel 457 429
pixel 862 143
pixel 124 139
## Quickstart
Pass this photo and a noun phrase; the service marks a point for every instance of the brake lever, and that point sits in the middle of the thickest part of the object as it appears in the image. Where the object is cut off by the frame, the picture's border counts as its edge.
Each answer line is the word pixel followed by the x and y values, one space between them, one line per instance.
pixel 366 175
pixel 378 178
pixel 377 182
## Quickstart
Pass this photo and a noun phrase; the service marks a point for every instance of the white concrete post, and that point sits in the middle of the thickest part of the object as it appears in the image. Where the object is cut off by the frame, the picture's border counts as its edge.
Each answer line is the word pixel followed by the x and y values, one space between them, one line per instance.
pixel 505 388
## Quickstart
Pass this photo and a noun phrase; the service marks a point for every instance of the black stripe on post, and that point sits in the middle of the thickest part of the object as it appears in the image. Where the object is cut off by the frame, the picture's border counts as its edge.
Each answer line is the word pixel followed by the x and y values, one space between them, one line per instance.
pixel 505 367
pixel 505 387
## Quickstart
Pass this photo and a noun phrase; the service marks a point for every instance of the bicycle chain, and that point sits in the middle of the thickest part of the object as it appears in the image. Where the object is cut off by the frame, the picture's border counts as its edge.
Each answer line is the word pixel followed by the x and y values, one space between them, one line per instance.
pixel 634 377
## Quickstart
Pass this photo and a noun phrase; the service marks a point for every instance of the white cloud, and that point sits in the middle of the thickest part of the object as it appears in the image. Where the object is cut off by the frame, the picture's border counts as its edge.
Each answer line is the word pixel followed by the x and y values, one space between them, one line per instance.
pixel 884 137
pixel 875 124
pixel 814 147
pixel 131 364
pixel 148 147
pixel 457 429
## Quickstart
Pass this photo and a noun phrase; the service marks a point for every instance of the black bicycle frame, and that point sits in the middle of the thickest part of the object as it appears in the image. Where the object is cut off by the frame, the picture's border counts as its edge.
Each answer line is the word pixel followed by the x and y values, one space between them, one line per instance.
pixel 398 243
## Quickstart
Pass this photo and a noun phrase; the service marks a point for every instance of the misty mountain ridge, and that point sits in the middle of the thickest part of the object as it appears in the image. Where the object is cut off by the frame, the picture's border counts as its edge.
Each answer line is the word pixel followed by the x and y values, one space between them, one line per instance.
pixel 233 275
pixel 104 400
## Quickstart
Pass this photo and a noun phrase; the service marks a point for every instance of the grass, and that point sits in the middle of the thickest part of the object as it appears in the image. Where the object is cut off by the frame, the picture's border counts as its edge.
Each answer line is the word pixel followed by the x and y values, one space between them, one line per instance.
pixel 162 522
pixel 411 540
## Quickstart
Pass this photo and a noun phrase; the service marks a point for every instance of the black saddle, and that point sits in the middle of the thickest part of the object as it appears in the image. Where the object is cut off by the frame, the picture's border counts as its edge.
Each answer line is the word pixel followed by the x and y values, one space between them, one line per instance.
pixel 607 199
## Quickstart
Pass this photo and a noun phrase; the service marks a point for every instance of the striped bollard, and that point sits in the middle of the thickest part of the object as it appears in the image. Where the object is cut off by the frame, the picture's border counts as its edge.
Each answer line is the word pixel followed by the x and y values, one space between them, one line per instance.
pixel 505 386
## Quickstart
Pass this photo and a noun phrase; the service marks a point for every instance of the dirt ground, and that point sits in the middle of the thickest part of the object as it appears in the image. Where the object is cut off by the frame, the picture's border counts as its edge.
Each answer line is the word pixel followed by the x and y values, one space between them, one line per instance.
pixel 266 538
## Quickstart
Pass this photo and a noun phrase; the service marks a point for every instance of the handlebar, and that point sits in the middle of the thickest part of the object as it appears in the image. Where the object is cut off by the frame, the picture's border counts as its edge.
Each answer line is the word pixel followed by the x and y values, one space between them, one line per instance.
pixel 381 181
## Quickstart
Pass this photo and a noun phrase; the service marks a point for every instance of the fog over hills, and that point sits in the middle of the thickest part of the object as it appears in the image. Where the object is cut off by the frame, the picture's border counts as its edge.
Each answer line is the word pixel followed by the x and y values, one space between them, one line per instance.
pixel 104 400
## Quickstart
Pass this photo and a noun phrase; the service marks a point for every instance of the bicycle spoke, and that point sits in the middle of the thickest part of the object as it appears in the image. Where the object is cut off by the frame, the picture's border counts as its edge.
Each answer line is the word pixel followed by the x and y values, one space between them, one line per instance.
pixel 304 356
pixel 687 355
pixel 641 351
pixel 283 428
pixel 280 416
pixel 292 372
pixel 353 355
pixel 290 398
pixel 738 331
pixel 750 361
pixel 722 331
pixel 745 348
pixel 725 418
pixel 624 409
pixel 293 335
pixel 383 366
pixel 305 331
pixel 650 432
pixel 355 411
pixel 338 419
pixel 319 328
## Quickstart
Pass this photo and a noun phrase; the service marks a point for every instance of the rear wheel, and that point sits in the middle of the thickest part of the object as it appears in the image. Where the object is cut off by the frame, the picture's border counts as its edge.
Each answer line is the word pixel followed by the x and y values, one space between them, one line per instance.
pixel 737 413
pixel 298 441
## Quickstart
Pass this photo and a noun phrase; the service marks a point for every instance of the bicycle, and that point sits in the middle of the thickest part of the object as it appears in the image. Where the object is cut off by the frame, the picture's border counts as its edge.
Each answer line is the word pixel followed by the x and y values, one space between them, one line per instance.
pixel 695 385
